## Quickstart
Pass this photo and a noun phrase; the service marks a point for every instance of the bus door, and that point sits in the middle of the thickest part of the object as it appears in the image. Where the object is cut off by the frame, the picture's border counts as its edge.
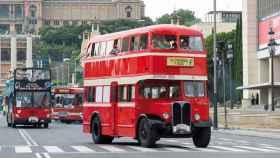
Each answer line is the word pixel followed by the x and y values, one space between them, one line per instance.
pixel 114 102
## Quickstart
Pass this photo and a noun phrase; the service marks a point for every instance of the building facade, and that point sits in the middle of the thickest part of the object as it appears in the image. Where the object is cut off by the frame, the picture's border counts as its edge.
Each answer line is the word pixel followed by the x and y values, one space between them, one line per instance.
pixel 258 17
pixel 20 21
pixel 226 22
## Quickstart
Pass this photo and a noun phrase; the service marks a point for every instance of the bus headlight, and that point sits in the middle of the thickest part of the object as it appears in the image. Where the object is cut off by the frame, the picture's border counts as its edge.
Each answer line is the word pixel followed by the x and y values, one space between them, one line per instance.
pixel 165 115
pixel 197 117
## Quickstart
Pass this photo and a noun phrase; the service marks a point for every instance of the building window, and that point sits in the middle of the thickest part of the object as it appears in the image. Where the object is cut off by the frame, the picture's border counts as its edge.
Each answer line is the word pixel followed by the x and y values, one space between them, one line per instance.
pixel 5 54
pixel 21 54
pixel 4 28
pixel 18 10
pixel 47 22
pixel 65 22
pixel 128 11
pixel 84 22
pixel 56 22
pixel 18 28
pixel 75 22
pixel 4 11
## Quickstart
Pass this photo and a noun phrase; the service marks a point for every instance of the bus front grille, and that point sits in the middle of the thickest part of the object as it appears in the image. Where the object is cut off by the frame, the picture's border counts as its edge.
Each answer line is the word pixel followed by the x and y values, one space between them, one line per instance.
pixel 181 114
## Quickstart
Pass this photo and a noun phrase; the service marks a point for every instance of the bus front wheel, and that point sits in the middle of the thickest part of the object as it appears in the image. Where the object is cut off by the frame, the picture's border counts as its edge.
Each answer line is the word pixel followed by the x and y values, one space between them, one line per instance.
pixel 147 136
pixel 201 136
pixel 97 137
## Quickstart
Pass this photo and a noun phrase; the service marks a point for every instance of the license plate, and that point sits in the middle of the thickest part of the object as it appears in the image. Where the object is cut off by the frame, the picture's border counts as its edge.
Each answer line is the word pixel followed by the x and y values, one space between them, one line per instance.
pixel 33 119
pixel 171 61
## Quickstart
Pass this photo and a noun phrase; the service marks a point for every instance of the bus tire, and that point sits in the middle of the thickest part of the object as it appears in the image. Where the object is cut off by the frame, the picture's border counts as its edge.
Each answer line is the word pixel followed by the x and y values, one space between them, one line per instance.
pixel 201 136
pixel 146 135
pixel 96 133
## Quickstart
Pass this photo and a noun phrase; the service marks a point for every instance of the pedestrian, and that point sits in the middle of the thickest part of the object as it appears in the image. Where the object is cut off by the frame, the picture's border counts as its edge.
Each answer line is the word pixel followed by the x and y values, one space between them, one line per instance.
pixel 257 99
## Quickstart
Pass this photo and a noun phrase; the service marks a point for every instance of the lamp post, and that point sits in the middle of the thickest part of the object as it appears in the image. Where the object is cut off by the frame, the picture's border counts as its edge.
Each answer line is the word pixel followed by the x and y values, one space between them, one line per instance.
pixel 271 45
pixel 215 68
pixel 230 59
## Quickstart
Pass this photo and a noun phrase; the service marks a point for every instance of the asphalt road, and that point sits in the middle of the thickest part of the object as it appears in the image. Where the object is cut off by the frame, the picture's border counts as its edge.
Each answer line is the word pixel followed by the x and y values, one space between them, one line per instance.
pixel 68 141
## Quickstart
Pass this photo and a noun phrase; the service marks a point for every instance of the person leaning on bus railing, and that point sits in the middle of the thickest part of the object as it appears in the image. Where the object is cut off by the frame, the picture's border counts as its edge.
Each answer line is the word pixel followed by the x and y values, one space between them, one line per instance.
pixel 115 49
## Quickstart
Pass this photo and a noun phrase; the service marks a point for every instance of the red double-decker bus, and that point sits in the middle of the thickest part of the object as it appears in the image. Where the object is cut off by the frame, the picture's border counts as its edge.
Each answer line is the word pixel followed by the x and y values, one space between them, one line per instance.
pixel 147 83
pixel 67 104
pixel 28 97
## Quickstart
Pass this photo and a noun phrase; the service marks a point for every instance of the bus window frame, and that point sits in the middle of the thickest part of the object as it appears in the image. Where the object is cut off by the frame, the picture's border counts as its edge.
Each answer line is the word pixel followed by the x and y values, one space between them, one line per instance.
pixel 193 51
pixel 164 34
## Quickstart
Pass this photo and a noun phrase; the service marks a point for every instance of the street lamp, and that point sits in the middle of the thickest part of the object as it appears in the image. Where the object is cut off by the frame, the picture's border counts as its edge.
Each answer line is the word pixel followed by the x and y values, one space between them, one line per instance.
pixel 271 45
pixel 215 67
pixel 230 59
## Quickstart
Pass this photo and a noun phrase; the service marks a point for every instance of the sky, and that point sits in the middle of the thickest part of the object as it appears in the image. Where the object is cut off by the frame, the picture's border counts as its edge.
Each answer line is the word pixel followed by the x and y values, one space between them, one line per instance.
pixel 156 8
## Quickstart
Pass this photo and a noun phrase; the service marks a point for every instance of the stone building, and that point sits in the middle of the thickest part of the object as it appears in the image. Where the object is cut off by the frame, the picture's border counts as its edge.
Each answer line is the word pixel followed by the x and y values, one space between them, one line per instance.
pixel 20 21
pixel 258 17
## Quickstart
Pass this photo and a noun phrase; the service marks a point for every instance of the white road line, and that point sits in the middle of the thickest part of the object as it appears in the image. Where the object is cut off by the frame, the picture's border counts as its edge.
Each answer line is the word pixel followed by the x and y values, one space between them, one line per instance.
pixel 187 143
pixel 24 137
pixel 111 148
pixel 83 149
pixel 30 138
pixel 266 144
pixel 142 149
pixel 38 155
pixel 53 149
pixel 46 155
pixel 273 148
pixel 171 140
pixel 225 139
pixel 174 149
pixel 23 149
pixel 229 148
pixel 254 148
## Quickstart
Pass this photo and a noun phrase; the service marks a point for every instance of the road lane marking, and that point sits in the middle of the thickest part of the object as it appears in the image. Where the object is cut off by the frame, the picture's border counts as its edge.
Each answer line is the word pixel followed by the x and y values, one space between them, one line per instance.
pixel 38 155
pixel 24 137
pixel 83 149
pixel 46 155
pixel 254 148
pixel 23 149
pixel 229 148
pixel 33 142
pixel 111 148
pixel 174 149
pixel 142 149
pixel 273 148
pixel 53 149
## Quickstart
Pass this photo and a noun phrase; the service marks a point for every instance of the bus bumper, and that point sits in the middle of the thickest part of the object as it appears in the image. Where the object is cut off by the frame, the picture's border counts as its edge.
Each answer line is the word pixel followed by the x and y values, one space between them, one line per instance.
pixel 28 122
pixel 181 131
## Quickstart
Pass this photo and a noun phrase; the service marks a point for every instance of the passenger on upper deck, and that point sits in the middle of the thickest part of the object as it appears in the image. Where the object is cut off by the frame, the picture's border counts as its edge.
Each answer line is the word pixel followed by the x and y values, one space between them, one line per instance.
pixel 164 42
pixel 115 49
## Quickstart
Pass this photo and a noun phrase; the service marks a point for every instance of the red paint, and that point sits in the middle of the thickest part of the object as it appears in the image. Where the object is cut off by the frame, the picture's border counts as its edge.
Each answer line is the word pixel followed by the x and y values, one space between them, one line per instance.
pixel 120 118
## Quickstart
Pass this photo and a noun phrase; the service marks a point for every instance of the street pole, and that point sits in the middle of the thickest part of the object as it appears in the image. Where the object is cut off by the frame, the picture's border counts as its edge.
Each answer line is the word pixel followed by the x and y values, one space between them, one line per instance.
pixel 215 70
pixel 224 92
pixel 230 86
pixel 271 46
pixel 0 60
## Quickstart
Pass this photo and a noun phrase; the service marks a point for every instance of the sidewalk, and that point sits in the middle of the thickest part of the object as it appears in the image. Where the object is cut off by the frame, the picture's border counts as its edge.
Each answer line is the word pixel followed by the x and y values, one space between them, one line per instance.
pixel 254 121
pixel 266 133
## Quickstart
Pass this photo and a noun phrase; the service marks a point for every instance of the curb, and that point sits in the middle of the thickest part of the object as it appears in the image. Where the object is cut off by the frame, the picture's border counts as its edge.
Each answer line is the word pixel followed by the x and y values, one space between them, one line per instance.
pixel 251 132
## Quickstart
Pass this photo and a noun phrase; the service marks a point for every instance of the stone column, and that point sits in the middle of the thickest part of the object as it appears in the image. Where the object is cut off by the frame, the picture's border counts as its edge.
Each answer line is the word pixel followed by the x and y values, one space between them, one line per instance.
pixel 29 61
pixel 13 52
pixel 250 61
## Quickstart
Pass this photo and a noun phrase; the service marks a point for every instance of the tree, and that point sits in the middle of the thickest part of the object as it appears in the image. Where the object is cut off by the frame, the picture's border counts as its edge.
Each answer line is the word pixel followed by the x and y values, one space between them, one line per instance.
pixel 188 17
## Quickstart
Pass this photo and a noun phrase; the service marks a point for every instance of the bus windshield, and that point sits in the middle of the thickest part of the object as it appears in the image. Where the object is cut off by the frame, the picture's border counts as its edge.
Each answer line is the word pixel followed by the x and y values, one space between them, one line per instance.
pixel 164 41
pixel 160 92
pixel 68 100
pixel 191 43
pixel 42 99
pixel 23 99
pixel 194 89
